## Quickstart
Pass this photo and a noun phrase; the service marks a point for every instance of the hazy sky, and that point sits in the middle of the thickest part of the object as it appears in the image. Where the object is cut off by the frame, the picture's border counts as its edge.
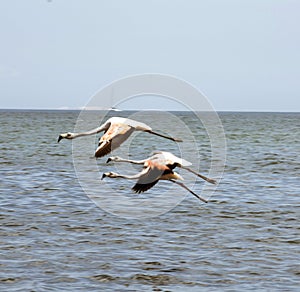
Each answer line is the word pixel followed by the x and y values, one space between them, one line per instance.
pixel 242 54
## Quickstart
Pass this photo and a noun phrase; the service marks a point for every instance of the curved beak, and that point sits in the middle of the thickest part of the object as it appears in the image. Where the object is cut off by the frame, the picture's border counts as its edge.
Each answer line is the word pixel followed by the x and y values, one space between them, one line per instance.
pixel 59 138
pixel 103 176
pixel 108 160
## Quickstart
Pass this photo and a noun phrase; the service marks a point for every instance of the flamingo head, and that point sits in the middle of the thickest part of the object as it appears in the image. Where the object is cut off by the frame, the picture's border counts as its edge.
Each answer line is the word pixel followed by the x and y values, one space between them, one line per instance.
pixel 109 174
pixel 65 136
pixel 113 158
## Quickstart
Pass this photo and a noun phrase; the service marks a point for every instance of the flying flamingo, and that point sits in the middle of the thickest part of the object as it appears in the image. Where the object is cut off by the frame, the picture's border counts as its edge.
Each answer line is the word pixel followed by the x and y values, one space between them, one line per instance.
pixel 164 158
pixel 116 131
pixel 158 167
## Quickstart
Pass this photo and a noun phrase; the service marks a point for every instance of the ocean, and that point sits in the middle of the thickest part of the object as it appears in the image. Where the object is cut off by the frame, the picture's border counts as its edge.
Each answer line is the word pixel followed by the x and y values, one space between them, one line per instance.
pixel 63 229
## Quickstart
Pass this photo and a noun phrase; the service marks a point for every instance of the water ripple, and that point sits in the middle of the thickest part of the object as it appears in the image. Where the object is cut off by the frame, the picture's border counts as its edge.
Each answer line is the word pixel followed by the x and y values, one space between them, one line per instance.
pixel 53 237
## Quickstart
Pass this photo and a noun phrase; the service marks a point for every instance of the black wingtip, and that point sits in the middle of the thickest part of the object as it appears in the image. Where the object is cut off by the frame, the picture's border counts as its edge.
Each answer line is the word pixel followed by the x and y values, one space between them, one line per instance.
pixel 59 138
pixel 103 149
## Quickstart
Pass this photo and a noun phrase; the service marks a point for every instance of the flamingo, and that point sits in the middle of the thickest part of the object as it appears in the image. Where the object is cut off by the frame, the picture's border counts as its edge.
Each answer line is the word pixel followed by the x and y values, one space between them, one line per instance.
pixel 164 158
pixel 158 167
pixel 116 131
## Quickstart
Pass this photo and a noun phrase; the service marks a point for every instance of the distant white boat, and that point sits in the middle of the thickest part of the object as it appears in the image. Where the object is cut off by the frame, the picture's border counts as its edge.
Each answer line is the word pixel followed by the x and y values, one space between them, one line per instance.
pixel 114 109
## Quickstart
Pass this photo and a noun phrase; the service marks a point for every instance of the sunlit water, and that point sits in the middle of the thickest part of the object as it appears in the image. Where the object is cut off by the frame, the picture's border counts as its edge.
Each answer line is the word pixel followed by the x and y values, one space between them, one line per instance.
pixel 54 238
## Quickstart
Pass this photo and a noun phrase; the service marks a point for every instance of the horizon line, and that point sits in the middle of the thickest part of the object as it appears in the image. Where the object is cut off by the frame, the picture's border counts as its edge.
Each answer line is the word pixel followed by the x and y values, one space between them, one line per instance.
pixel 109 109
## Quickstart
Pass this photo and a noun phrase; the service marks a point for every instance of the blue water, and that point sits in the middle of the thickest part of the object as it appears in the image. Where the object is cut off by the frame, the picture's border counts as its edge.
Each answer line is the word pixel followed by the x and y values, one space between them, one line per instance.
pixel 55 238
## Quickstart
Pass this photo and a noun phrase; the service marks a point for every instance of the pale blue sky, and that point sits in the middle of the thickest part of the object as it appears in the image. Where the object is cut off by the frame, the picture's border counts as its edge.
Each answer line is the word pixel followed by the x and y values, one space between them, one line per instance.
pixel 242 54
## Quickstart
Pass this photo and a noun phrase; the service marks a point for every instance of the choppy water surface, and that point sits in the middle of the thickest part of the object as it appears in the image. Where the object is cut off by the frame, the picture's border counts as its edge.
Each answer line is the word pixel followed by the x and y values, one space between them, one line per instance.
pixel 54 238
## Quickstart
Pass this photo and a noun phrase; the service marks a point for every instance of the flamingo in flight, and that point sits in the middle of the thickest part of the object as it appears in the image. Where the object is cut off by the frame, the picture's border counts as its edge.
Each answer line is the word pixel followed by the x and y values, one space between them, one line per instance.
pixel 157 167
pixel 116 131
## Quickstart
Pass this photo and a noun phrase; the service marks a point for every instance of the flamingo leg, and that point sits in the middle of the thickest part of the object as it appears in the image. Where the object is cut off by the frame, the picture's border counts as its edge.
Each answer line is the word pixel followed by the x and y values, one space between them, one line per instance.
pixel 210 180
pixel 185 187
pixel 164 136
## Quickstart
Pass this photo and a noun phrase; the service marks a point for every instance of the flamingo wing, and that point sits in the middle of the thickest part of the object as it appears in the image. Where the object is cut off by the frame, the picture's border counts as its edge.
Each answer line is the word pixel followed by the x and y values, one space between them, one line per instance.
pixel 113 138
pixel 141 187
pixel 150 177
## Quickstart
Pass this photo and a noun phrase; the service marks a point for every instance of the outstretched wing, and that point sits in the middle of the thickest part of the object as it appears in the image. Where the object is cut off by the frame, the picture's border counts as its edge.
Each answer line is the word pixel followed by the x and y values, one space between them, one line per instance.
pixel 104 147
pixel 113 138
pixel 151 176
pixel 140 188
